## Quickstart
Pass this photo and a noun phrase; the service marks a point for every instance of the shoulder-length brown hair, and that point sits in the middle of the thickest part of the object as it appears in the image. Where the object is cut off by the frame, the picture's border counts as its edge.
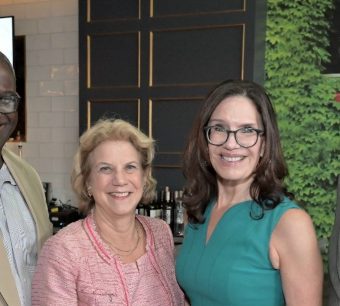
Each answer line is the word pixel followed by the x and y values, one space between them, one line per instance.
pixel 267 189
pixel 103 130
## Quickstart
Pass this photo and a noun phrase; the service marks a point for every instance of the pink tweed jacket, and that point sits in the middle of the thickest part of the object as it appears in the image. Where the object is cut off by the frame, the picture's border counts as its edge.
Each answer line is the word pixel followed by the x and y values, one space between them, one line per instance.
pixel 75 267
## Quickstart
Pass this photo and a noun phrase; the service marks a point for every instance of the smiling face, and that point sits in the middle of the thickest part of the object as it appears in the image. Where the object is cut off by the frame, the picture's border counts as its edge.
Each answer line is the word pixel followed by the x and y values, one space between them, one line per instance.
pixel 116 179
pixel 9 121
pixel 234 164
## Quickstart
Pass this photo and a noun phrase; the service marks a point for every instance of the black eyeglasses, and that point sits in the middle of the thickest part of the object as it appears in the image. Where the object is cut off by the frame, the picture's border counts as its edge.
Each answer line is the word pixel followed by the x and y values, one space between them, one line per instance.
pixel 246 137
pixel 9 103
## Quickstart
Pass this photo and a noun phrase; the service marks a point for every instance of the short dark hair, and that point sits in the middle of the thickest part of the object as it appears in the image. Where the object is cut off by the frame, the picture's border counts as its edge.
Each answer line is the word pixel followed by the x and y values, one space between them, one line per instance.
pixel 268 188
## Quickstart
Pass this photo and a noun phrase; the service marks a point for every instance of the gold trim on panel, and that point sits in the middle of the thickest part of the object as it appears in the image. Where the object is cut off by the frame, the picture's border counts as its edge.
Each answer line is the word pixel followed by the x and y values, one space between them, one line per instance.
pixel 88 13
pixel 242 25
pixel 151 59
pixel 88 115
pixel 185 84
pixel 138 113
pixel 152 12
pixel 116 87
pixel 166 166
pixel 139 10
pixel 150 118
pixel 169 153
pixel 200 27
pixel 179 98
pixel 88 60
pixel 151 8
pixel 139 59
pixel 243 50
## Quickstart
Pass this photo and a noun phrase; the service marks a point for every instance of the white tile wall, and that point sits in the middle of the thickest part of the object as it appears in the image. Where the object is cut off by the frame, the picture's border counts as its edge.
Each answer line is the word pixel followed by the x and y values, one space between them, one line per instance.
pixel 51 30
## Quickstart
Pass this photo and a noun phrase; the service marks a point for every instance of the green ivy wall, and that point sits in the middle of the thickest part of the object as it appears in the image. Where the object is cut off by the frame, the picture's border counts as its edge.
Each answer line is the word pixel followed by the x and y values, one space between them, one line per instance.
pixel 309 117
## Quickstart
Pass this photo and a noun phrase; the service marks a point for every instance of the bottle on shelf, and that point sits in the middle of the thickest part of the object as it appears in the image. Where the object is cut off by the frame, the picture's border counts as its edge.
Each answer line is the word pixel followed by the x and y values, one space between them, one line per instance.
pixel 141 209
pixel 167 214
pixel 179 214
pixel 173 205
pixel 159 204
pixel 151 210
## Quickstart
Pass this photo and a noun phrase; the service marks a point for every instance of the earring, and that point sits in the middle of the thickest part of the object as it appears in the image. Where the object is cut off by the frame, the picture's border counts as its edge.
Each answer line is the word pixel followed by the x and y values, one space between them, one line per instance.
pixel 89 191
pixel 261 153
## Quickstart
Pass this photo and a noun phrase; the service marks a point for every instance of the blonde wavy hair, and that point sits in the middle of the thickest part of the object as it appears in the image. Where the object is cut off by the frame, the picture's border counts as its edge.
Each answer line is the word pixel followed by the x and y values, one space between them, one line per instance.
pixel 103 130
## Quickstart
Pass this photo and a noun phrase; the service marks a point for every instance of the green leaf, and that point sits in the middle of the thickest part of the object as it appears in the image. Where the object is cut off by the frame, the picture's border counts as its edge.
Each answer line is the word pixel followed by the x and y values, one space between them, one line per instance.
pixel 309 118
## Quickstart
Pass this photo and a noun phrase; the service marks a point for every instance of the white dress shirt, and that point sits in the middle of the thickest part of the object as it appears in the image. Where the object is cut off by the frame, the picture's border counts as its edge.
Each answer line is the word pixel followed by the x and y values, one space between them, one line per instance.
pixel 18 231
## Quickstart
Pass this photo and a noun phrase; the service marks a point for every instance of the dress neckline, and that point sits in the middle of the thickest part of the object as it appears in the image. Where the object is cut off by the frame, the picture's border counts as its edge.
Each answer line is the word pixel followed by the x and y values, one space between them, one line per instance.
pixel 207 216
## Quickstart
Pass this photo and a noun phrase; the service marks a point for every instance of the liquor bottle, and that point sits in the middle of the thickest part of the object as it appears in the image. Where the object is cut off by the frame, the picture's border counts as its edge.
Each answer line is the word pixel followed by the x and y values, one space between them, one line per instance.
pixel 159 204
pixel 140 209
pixel 179 214
pixel 173 204
pixel 152 208
pixel 168 208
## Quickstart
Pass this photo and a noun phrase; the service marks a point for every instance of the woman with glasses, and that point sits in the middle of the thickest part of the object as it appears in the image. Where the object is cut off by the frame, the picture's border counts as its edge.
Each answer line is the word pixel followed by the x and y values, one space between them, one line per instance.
pixel 247 242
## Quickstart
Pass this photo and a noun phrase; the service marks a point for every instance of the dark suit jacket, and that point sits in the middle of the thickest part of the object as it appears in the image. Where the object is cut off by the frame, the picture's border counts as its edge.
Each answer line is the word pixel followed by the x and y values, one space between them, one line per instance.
pixel 334 257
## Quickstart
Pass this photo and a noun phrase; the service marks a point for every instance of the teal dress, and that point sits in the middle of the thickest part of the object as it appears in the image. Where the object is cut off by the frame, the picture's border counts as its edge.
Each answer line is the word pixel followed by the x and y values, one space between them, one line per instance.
pixel 233 268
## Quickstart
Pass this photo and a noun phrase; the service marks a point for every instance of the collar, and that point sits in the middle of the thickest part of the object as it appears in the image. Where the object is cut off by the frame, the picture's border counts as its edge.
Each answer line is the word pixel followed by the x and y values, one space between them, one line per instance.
pixel 6 176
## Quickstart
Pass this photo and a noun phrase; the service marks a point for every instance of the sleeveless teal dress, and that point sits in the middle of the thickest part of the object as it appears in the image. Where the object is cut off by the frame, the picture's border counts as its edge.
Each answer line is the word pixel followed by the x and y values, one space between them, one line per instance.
pixel 233 268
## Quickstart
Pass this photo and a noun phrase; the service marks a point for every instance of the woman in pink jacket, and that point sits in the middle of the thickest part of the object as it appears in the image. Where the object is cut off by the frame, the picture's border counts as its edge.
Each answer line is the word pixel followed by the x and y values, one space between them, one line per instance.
pixel 112 257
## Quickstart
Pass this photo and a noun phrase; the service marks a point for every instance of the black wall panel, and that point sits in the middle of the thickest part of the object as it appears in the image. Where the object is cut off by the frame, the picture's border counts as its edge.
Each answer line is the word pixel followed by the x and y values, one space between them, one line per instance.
pixel 109 10
pixel 153 62
pixel 197 56
pixel 120 109
pixel 114 60
pixel 171 124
